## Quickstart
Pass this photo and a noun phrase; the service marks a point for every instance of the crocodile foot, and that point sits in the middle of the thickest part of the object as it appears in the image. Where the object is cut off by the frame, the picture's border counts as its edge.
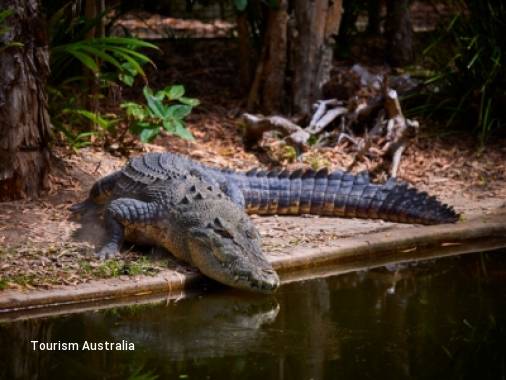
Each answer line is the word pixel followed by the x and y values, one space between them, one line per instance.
pixel 108 251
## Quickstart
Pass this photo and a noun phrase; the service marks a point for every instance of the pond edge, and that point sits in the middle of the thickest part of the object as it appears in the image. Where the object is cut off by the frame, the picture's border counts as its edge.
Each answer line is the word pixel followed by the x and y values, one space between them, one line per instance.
pixel 346 254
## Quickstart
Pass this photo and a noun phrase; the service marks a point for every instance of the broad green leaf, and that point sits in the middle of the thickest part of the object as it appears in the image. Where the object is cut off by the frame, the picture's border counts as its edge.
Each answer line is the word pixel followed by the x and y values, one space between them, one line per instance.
pixel 169 126
pixel 182 132
pixel 154 105
pixel 147 91
pixel 126 79
pixel 175 92
pixel 179 111
pixel 148 134
pixel 160 95
pixel 127 66
pixel 189 101
pixel 135 110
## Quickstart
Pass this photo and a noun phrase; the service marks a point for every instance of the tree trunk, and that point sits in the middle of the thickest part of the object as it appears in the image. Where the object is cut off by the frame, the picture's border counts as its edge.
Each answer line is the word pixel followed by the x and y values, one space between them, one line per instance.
pixel 374 17
pixel 246 51
pixel 296 56
pixel 399 33
pixel 24 121
pixel 90 13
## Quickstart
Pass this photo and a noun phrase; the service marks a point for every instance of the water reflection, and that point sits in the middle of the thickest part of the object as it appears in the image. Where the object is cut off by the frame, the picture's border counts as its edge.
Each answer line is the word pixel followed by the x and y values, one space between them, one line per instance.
pixel 440 320
pixel 211 326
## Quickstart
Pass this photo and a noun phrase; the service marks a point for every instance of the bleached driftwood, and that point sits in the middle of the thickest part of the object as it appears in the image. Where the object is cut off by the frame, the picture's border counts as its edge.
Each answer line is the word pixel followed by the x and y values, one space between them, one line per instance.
pixel 323 116
pixel 257 125
pixel 399 130
pixel 328 117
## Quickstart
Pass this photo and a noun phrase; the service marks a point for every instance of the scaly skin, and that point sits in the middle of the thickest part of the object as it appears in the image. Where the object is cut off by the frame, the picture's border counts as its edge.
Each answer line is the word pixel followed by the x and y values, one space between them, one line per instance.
pixel 337 194
pixel 157 199
pixel 198 213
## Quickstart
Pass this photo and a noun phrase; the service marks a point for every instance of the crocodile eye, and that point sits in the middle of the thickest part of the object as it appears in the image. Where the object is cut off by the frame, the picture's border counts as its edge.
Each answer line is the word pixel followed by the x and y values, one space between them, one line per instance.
pixel 219 227
pixel 224 233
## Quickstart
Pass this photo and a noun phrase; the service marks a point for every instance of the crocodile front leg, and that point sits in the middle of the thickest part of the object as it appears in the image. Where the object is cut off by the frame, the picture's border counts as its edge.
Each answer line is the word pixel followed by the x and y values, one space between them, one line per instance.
pixel 119 213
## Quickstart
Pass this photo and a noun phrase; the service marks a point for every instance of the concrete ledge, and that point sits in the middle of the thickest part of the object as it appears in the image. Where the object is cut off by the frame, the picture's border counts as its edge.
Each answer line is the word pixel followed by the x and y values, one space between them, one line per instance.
pixel 355 253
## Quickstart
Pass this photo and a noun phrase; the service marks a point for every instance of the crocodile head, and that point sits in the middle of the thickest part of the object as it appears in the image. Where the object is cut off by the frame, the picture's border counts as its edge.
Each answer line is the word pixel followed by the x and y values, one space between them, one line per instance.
pixel 228 250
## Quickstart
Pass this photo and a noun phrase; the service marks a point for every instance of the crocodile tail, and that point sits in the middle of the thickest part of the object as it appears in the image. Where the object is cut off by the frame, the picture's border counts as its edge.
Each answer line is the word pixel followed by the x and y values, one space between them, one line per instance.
pixel 340 194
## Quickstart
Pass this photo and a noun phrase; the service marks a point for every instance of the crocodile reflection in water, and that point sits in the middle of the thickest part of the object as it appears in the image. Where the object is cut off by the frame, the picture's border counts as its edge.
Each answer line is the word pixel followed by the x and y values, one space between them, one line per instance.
pixel 213 325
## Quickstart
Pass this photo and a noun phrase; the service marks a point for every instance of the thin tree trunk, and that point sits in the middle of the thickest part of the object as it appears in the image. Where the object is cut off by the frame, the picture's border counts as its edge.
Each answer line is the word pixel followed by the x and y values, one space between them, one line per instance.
pixel 24 121
pixel 399 33
pixel 296 56
pixel 316 23
pixel 90 13
pixel 101 25
pixel 245 51
pixel 374 17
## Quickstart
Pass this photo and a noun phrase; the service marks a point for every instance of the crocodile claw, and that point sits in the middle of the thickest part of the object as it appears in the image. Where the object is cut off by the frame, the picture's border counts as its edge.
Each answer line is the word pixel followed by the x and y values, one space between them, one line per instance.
pixel 108 251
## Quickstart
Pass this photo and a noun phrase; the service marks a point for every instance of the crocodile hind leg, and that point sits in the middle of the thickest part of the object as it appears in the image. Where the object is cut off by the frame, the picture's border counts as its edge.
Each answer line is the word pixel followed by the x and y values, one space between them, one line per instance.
pixel 230 188
pixel 119 214
pixel 100 193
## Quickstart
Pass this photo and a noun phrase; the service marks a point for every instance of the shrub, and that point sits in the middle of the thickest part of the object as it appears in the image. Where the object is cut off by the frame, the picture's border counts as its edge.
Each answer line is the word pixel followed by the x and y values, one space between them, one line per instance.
pixel 470 81
pixel 165 109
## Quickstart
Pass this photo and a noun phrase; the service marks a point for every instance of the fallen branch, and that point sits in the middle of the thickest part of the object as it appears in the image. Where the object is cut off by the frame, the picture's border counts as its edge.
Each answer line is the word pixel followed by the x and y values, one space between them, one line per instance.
pixel 327 117
pixel 257 125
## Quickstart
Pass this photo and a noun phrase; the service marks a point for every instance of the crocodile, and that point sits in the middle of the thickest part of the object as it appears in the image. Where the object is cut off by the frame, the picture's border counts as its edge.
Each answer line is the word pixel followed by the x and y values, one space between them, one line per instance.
pixel 200 213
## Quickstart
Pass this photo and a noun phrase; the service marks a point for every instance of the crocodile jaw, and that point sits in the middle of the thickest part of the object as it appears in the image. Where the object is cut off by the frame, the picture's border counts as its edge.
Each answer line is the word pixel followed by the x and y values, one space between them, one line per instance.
pixel 251 279
pixel 240 266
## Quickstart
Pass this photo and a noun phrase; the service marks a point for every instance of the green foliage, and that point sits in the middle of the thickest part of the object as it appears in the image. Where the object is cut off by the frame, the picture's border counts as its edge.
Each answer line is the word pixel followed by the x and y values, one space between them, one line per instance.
pixel 71 41
pixel 165 109
pixel 138 267
pixel 73 121
pixel 117 266
pixel 83 69
pixel 4 29
pixel 110 268
pixel 469 82
pixel 100 55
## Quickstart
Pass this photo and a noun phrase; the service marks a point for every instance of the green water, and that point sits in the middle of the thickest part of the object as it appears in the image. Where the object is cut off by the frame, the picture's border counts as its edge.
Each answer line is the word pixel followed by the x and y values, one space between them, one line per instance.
pixel 444 319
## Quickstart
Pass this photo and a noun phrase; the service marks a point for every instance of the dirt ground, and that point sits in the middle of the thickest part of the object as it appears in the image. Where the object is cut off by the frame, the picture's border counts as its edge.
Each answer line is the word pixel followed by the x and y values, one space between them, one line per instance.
pixel 41 246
